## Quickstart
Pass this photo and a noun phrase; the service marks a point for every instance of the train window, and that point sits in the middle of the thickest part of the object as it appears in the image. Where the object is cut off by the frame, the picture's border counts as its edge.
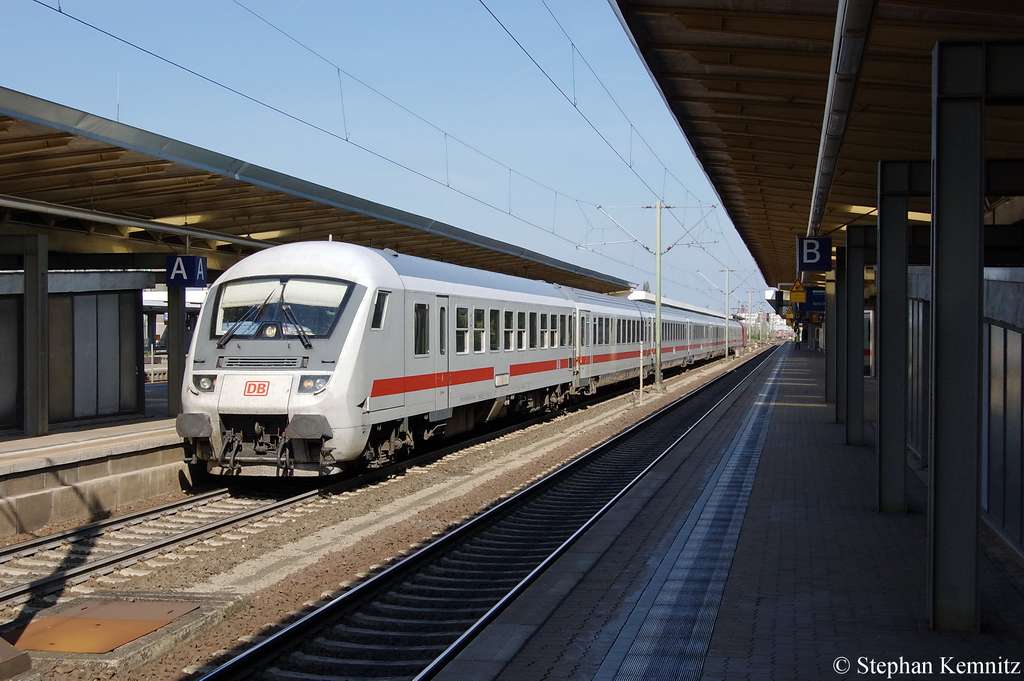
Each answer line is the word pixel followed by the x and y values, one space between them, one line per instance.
pixel 533 330
pixel 554 331
pixel 543 330
pixel 442 336
pixel 421 329
pixel 274 308
pixel 461 330
pixel 563 330
pixel 380 306
pixel 478 330
pixel 494 330
pixel 509 328
pixel 521 330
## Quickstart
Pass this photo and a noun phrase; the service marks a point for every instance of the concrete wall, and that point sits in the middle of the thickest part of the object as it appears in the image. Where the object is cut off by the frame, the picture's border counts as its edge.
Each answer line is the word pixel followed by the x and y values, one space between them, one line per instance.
pixel 84 490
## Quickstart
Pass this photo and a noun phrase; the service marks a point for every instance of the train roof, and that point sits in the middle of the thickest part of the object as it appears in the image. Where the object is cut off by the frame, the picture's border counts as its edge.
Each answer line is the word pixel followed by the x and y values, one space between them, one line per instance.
pixel 648 297
pixel 421 268
pixel 375 267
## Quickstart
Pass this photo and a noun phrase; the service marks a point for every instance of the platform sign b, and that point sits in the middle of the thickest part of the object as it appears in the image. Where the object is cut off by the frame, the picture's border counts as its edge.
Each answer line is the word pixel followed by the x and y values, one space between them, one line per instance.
pixel 813 254
pixel 186 270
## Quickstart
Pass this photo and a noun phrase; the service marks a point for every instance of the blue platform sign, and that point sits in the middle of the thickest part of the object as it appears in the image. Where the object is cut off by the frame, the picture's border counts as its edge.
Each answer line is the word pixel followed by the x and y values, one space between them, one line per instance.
pixel 815 300
pixel 814 254
pixel 186 270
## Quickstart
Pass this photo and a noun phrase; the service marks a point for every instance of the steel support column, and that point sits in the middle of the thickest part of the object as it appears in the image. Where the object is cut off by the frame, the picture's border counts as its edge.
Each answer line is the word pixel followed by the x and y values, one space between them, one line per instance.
pixel 856 245
pixel 830 338
pixel 176 347
pixel 36 335
pixel 897 181
pixel 958 181
pixel 840 332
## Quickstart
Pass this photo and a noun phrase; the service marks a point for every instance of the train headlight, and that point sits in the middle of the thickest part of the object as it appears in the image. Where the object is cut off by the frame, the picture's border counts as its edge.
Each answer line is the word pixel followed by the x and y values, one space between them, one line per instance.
pixel 204 383
pixel 313 384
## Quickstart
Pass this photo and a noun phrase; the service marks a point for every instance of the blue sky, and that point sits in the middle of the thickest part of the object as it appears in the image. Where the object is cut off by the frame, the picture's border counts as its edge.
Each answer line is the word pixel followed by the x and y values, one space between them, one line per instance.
pixel 430 107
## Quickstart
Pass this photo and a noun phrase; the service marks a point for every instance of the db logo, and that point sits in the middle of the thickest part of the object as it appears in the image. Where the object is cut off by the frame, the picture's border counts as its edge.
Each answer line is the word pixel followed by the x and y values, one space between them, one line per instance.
pixel 256 389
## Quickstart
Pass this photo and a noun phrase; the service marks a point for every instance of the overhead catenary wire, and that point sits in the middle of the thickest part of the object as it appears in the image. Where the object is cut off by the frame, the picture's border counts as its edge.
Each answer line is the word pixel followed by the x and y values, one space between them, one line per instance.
pixel 572 100
pixel 343 138
pixel 445 181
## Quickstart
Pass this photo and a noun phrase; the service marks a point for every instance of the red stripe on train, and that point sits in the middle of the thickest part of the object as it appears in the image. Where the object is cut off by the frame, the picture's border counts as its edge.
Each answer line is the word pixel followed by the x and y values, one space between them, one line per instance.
pixel 383 387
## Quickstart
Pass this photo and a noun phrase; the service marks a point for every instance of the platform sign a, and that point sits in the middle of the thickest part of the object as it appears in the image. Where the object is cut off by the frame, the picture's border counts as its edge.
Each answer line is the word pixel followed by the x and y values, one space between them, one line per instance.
pixel 186 270
pixel 814 254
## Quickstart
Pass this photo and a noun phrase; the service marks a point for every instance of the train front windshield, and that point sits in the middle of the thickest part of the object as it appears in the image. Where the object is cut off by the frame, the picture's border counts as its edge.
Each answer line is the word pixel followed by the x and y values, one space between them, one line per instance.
pixel 274 307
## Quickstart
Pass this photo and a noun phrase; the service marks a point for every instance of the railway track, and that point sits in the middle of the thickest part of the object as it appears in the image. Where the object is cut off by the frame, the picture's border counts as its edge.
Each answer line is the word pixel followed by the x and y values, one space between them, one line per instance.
pixel 408 621
pixel 48 564
pixel 45 565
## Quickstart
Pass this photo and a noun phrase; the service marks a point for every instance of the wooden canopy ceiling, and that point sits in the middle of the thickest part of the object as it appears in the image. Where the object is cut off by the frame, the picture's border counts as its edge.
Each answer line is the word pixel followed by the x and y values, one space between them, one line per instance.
pixel 99 187
pixel 748 79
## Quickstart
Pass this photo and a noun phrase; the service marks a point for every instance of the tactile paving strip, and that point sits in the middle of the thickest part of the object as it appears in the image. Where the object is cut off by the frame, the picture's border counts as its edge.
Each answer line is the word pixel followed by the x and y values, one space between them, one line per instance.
pixel 668 633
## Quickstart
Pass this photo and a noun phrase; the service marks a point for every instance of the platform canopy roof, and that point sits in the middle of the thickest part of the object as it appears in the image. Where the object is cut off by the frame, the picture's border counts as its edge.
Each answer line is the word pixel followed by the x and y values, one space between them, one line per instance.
pixel 748 82
pixel 124 195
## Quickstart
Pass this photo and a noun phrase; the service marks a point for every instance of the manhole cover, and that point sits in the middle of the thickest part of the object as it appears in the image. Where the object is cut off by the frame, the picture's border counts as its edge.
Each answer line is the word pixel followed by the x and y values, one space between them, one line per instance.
pixel 96 626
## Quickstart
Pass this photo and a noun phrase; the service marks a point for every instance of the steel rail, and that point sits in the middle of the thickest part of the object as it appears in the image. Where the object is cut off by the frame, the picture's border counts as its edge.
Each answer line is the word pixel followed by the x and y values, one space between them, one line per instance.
pixel 78 574
pixel 300 631
pixel 458 645
pixel 37 544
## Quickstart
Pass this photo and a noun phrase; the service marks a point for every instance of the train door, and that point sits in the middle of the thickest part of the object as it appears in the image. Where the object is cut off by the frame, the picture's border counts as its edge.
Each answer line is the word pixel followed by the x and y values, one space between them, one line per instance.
pixel 442 375
pixel 578 344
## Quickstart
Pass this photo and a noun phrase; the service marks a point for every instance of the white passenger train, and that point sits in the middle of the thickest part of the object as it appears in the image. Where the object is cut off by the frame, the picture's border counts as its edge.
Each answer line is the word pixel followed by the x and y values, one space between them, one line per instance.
pixel 316 357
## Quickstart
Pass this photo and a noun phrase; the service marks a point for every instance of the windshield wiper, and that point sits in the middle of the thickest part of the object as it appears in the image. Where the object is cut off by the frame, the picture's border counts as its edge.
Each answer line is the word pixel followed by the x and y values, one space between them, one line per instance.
pixel 298 327
pixel 259 313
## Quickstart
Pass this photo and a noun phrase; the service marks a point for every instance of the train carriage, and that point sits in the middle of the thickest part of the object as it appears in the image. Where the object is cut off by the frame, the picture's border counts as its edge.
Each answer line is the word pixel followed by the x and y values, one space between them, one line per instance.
pixel 311 358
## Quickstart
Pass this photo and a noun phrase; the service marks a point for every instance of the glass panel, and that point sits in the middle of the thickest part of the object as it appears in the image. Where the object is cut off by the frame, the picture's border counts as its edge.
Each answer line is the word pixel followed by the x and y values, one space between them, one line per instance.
pixel 421 328
pixel 379 308
pixel 271 308
pixel 461 330
pixel 442 330
pixel 509 330
pixel 478 330
pixel 494 330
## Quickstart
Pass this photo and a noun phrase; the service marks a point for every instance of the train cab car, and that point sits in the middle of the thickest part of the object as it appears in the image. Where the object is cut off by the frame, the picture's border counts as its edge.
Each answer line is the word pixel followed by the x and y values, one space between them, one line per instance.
pixel 311 358
pixel 316 357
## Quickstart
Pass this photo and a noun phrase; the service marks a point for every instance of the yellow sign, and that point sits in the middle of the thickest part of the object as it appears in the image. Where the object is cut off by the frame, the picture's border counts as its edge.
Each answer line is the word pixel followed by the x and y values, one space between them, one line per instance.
pixel 789 313
pixel 797 294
